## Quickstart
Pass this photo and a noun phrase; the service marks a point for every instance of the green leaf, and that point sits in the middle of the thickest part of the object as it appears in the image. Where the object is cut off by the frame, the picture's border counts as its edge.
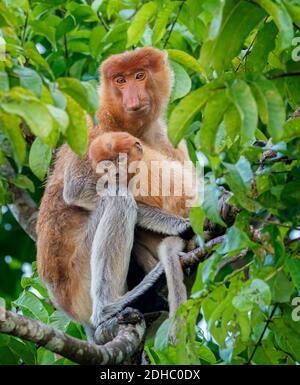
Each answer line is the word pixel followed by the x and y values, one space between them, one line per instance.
pixel 60 116
pixel 138 23
pixel 293 266
pixel 35 281
pixel 113 6
pixel 211 203
pixel 216 23
pixel 39 158
pixel 34 56
pixel 241 96
pixel 282 20
pixel 290 194
pixel 77 132
pixel 186 60
pixel 239 19
pixel 59 320
pixel 117 33
pixel 45 357
pixel 263 45
pixel 281 287
pixel 183 114
pixel 96 43
pixel 271 106
pixel 245 325
pixel 92 95
pixel 213 116
pixel 4 194
pixel 162 335
pixel 22 181
pixel 294 10
pixel 32 305
pixel 291 129
pixel 34 113
pixel 232 123
pixel 65 26
pixel 10 125
pixel 182 82
pixel 44 29
pixel 78 92
pixel 239 177
pixel 4 81
pixel 30 79
pixel 258 293
pixel 162 20
pixel 206 354
pixel 197 219
pixel 286 338
pixel 235 241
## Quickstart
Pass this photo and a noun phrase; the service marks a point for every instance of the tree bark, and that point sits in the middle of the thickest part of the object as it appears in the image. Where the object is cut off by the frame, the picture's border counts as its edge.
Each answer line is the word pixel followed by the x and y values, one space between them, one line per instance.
pixel 124 344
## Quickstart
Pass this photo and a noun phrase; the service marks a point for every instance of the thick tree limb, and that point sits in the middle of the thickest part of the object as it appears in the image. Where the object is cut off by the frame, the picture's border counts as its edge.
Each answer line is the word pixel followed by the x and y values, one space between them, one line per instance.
pixel 123 345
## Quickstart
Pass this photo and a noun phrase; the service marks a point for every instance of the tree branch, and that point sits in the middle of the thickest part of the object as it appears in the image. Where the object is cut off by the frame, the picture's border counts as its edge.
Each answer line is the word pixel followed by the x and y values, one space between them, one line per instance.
pixel 24 208
pixel 124 344
pixel 283 75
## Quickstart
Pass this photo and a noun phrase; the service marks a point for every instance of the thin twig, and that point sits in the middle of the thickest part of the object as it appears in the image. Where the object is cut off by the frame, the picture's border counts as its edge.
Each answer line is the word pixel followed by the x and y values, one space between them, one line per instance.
pixel 283 75
pixel 173 24
pixel 249 48
pixel 100 17
pixel 25 27
pixel 262 334
pixel 66 52
pixel 289 241
pixel 247 52
pixel 232 260
pixel 200 253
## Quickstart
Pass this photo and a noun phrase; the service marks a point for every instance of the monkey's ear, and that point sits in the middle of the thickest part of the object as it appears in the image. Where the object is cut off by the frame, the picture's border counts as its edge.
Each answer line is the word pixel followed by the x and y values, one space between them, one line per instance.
pixel 158 58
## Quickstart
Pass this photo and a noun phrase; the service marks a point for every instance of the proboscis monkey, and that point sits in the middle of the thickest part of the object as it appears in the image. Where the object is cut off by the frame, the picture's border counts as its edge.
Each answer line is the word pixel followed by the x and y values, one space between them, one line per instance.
pixel 85 239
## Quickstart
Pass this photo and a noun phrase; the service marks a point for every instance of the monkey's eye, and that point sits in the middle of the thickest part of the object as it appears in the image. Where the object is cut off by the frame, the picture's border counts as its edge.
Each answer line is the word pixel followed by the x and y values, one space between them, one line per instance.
pixel 140 75
pixel 120 80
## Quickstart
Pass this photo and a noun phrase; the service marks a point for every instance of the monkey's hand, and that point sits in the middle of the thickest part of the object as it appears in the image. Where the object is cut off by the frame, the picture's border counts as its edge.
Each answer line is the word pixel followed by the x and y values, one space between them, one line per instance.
pixel 109 145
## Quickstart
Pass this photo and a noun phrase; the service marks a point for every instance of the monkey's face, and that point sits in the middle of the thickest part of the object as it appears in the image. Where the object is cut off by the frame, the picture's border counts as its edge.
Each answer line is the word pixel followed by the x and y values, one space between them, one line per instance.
pixel 136 84
pixel 131 88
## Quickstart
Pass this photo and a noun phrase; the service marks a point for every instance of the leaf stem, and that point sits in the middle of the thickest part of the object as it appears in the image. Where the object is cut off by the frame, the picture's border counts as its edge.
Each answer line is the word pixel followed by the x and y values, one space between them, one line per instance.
pixel 173 24
pixel 103 22
pixel 25 27
pixel 262 334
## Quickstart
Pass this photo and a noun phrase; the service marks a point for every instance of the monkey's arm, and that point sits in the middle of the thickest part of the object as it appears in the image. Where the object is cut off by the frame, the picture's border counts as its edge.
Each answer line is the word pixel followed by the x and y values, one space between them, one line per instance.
pixel 160 221
pixel 80 181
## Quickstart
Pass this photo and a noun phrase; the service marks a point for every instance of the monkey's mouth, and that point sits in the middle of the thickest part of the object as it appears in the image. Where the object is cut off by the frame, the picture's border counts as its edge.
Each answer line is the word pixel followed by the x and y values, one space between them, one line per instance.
pixel 142 110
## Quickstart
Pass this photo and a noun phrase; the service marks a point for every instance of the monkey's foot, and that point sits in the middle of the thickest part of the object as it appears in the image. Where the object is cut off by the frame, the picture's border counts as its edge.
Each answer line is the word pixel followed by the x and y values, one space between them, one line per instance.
pixel 108 329
pixel 130 316
pixel 108 146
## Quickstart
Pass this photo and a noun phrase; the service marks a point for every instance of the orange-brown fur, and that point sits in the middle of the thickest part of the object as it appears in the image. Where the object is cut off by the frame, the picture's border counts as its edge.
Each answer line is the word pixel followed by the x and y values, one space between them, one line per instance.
pixel 63 247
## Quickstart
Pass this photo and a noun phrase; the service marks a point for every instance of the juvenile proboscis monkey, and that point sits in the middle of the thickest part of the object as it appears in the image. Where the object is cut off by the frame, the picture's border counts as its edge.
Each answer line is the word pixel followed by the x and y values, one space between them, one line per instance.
pixel 85 239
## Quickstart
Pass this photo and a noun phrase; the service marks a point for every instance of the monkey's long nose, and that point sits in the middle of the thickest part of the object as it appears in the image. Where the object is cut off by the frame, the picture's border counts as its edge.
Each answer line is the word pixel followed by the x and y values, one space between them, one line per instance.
pixel 133 105
pixel 131 100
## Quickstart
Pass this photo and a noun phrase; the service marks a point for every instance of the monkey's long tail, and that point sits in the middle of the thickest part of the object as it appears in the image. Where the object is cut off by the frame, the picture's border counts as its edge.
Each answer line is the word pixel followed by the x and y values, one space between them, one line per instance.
pixel 127 299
